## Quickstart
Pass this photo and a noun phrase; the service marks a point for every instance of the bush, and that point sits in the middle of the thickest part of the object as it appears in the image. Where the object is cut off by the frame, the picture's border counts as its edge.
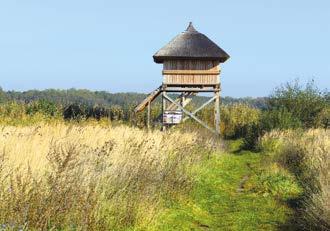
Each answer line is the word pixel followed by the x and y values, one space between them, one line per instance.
pixel 238 120
pixel 304 103
pixel 12 110
pixel 74 111
pixel 42 106
pixel 278 119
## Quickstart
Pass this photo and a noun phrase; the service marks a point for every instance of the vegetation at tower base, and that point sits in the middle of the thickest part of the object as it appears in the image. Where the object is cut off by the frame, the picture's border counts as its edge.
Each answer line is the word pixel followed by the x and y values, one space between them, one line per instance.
pixel 289 106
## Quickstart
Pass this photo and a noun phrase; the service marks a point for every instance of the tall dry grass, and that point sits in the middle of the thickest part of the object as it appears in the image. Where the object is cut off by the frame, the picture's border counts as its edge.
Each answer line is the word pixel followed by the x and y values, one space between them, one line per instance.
pixel 90 177
pixel 306 154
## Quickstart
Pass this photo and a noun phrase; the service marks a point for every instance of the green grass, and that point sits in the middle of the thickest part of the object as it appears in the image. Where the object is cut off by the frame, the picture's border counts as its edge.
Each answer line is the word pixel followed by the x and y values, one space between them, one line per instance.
pixel 232 192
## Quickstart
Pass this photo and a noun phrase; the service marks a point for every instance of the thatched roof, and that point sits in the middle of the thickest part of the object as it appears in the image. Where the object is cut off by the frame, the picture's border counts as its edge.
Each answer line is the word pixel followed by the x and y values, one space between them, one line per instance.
pixel 191 44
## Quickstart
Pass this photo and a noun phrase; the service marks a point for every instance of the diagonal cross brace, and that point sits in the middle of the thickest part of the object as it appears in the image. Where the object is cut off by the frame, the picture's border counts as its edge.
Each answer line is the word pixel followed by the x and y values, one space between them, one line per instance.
pixel 185 102
pixel 201 107
pixel 189 113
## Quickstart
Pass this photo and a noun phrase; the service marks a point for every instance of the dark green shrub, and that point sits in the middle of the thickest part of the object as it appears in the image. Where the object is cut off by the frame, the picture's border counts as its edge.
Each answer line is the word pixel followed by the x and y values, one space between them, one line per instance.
pixel 304 103
pixel 252 133
pixel 74 111
pixel 278 119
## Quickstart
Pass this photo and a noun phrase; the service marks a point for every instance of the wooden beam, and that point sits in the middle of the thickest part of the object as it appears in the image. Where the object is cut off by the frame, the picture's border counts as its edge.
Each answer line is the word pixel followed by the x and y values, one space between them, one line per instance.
pixel 201 107
pixel 151 97
pixel 184 99
pixel 172 106
pixel 189 114
pixel 163 110
pixel 217 112
pixel 169 89
pixel 191 72
pixel 199 84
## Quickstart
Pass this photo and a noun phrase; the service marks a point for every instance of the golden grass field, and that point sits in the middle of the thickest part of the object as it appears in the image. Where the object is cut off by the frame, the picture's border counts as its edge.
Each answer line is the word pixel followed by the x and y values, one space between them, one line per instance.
pixel 53 171
pixel 29 146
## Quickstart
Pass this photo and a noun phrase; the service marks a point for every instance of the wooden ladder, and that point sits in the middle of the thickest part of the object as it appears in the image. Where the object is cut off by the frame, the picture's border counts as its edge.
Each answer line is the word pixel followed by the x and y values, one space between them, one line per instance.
pixel 151 97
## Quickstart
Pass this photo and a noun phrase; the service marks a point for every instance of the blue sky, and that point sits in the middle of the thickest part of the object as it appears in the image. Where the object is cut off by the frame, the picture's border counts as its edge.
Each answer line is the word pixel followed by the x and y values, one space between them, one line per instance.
pixel 108 45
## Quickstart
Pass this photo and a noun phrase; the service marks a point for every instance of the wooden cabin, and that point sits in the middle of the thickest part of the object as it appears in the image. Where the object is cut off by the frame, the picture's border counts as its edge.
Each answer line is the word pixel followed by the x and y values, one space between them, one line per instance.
pixel 191 64
pixel 191 59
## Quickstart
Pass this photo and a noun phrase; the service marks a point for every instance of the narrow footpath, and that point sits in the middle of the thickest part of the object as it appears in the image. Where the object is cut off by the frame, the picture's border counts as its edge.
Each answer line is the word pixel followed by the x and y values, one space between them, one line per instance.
pixel 233 191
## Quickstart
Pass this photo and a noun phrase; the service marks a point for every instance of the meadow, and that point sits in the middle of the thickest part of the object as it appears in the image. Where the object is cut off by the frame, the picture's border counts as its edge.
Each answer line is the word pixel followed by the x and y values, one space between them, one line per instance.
pixel 268 171
pixel 76 177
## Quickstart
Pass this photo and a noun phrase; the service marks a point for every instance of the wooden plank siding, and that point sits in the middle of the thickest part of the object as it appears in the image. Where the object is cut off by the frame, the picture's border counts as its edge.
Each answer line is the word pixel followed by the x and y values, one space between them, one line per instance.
pixel 191 72
pixel 191 79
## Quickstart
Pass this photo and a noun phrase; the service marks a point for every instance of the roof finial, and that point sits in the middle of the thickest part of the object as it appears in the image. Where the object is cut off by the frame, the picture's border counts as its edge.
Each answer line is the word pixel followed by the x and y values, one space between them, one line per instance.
pixel 191 28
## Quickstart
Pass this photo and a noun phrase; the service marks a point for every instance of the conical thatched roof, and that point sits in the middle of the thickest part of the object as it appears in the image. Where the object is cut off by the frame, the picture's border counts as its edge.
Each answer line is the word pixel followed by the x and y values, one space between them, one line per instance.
pixel 191 44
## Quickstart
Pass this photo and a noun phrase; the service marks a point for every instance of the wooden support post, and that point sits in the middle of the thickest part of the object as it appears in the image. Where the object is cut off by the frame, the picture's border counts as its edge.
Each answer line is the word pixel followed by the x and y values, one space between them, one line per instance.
pixel 217 112
pixel 183 98
pixel 148 115
pixel 163 110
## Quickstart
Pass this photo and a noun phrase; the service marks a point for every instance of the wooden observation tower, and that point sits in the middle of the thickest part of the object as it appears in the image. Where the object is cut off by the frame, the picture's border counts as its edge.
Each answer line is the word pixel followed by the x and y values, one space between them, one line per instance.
pixel 191 64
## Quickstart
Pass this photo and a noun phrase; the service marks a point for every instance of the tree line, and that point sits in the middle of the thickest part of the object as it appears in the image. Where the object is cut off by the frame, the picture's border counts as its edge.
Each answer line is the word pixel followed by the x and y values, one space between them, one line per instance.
pixel 291 105
pixel 101 98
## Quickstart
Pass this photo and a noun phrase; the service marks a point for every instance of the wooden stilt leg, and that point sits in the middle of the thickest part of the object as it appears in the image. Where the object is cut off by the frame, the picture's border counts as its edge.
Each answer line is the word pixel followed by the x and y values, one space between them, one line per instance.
pixel 217 112
pixel 164 109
